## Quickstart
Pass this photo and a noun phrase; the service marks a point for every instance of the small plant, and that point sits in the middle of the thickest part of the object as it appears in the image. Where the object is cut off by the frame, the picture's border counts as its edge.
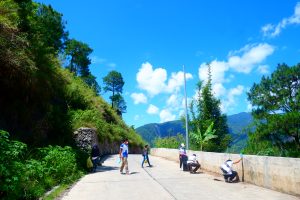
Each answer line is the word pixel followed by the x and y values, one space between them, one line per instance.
pixel 201 138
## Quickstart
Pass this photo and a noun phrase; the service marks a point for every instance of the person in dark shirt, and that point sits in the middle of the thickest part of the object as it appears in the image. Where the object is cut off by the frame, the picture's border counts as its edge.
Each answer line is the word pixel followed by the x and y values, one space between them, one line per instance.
pixel 145 156
pixel 95 156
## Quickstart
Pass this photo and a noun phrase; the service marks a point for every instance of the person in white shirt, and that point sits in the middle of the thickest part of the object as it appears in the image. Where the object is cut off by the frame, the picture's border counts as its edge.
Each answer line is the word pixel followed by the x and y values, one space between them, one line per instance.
pixel 230 175
pixel 124 156
pixel 193 164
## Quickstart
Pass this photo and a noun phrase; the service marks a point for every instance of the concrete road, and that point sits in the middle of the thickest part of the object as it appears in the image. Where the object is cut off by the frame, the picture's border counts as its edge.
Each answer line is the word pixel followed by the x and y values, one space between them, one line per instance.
pixel 163 181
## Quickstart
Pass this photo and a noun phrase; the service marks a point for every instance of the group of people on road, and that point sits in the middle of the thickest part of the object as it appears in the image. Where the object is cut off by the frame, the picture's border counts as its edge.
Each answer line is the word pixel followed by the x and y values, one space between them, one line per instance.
pixel 190 163
pixel 123 156
pixel 187 163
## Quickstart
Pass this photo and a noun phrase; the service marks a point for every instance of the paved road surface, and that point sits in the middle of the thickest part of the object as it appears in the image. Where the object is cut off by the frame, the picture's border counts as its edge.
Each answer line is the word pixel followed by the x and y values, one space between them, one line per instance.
pixel 164 181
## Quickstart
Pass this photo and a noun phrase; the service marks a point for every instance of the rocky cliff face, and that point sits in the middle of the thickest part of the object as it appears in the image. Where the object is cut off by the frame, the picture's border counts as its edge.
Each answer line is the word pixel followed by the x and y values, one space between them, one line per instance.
pixel 86 137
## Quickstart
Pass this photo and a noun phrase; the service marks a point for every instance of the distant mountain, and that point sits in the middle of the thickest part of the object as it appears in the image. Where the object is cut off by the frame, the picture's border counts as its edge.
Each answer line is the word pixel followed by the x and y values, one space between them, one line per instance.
pixel 236 123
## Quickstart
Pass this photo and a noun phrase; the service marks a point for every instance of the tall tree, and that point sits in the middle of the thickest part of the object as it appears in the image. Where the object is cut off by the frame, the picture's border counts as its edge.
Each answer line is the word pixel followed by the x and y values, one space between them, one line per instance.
pixel 77 54
pixel 113 83
pixel 119 104
pixel 208 112
pixel 276 108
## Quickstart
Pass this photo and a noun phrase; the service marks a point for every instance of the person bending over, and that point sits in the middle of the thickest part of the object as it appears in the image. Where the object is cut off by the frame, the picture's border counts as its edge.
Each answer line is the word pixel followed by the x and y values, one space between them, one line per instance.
pixel 229 174
pixel 193 164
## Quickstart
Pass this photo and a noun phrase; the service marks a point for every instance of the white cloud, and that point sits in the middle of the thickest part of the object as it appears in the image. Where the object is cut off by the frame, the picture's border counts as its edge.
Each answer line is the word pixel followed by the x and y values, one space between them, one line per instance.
pixel 218 69
pixel 177 80
pixel 152 110
pixel 138 98
pixel 166 115
pixel 271 30
pixel 173 101
pixel 182 113
pixel 112 65
pixel 136 117
pixel 263 69
pixel 249 107
pixel 218 90
pixel 230 99
pixel 252 56
pixel 97 60
pixel 154 81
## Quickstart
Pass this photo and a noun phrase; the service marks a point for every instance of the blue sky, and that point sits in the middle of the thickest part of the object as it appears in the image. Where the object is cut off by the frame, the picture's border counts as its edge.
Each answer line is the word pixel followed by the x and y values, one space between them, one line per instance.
pixel 149 42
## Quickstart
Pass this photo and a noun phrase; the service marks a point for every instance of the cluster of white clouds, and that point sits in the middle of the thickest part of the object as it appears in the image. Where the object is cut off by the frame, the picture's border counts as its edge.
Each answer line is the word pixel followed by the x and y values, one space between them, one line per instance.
pixel 154 81
pixel 240 61
pixel 273 30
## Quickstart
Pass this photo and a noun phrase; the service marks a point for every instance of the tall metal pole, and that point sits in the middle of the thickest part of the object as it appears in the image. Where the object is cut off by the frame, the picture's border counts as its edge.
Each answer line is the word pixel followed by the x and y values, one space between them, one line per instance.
pixel 186 114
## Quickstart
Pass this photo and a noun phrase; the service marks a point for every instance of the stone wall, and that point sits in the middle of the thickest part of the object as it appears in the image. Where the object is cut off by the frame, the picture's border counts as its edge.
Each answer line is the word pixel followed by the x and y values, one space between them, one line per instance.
pixel 86 137
pixel 276 173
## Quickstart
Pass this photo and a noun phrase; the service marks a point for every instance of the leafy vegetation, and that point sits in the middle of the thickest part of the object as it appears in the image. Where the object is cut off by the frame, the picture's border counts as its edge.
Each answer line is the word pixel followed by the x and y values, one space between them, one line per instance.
pixel 172 142
pixel 276 101
pixel 208 112
pixel 29 173
pixel 201 138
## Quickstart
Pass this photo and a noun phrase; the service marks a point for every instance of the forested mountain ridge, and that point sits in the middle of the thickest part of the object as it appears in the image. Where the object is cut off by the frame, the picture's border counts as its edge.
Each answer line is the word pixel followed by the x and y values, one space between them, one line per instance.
pixel 236 124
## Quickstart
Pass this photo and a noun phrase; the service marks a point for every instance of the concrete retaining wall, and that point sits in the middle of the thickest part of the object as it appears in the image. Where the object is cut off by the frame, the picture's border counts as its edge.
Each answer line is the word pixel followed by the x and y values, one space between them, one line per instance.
pixel 276 173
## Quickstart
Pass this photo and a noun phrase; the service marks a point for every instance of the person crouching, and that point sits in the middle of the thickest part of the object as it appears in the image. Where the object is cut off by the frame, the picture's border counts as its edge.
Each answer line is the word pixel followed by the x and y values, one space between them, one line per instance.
pixel 230 176
pixel 193 164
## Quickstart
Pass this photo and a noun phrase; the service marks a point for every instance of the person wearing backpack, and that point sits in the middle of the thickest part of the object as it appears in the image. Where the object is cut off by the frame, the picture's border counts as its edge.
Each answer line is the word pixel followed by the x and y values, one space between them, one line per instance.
pixel 229 174
pixel 146 156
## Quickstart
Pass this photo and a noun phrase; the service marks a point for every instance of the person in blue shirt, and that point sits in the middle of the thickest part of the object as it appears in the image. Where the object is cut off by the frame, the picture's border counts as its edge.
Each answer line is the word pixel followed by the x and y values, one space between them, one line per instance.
pixel 124 156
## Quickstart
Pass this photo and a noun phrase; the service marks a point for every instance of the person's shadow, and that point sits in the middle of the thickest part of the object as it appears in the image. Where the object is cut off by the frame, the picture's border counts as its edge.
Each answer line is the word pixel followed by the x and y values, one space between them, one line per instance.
pixel 106 168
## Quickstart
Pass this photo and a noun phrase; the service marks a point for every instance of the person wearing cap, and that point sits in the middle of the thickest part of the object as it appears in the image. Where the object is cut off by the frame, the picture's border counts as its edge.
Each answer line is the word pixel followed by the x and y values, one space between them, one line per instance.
pixel 182 154
pixel 193 164
pixel 230 176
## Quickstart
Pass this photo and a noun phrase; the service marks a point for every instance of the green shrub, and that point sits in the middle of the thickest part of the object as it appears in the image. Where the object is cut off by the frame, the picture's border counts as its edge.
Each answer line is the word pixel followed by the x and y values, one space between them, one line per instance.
pixel 30 177
pixel 172 142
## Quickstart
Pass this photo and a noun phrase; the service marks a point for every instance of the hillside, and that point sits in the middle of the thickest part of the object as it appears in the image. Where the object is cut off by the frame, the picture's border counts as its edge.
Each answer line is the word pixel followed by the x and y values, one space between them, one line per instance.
pixel 236 124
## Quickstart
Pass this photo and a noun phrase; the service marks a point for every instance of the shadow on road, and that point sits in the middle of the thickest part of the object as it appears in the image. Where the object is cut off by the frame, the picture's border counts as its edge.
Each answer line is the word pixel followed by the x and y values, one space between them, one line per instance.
pixel 106 168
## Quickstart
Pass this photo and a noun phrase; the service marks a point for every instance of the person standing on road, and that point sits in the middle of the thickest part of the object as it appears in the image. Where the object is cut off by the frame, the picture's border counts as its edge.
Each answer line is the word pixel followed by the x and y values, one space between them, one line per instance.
pixel 124 156
pixel 182 154
pixel 145 156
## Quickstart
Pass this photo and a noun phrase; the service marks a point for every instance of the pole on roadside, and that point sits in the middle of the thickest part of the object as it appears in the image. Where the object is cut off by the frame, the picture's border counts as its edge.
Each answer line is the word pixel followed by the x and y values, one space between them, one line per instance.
pixel 186 114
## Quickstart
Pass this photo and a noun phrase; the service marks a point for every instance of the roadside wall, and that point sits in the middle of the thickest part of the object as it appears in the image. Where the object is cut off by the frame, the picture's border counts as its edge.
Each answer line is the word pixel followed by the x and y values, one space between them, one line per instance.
pixel 85 137
pixel 276 173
